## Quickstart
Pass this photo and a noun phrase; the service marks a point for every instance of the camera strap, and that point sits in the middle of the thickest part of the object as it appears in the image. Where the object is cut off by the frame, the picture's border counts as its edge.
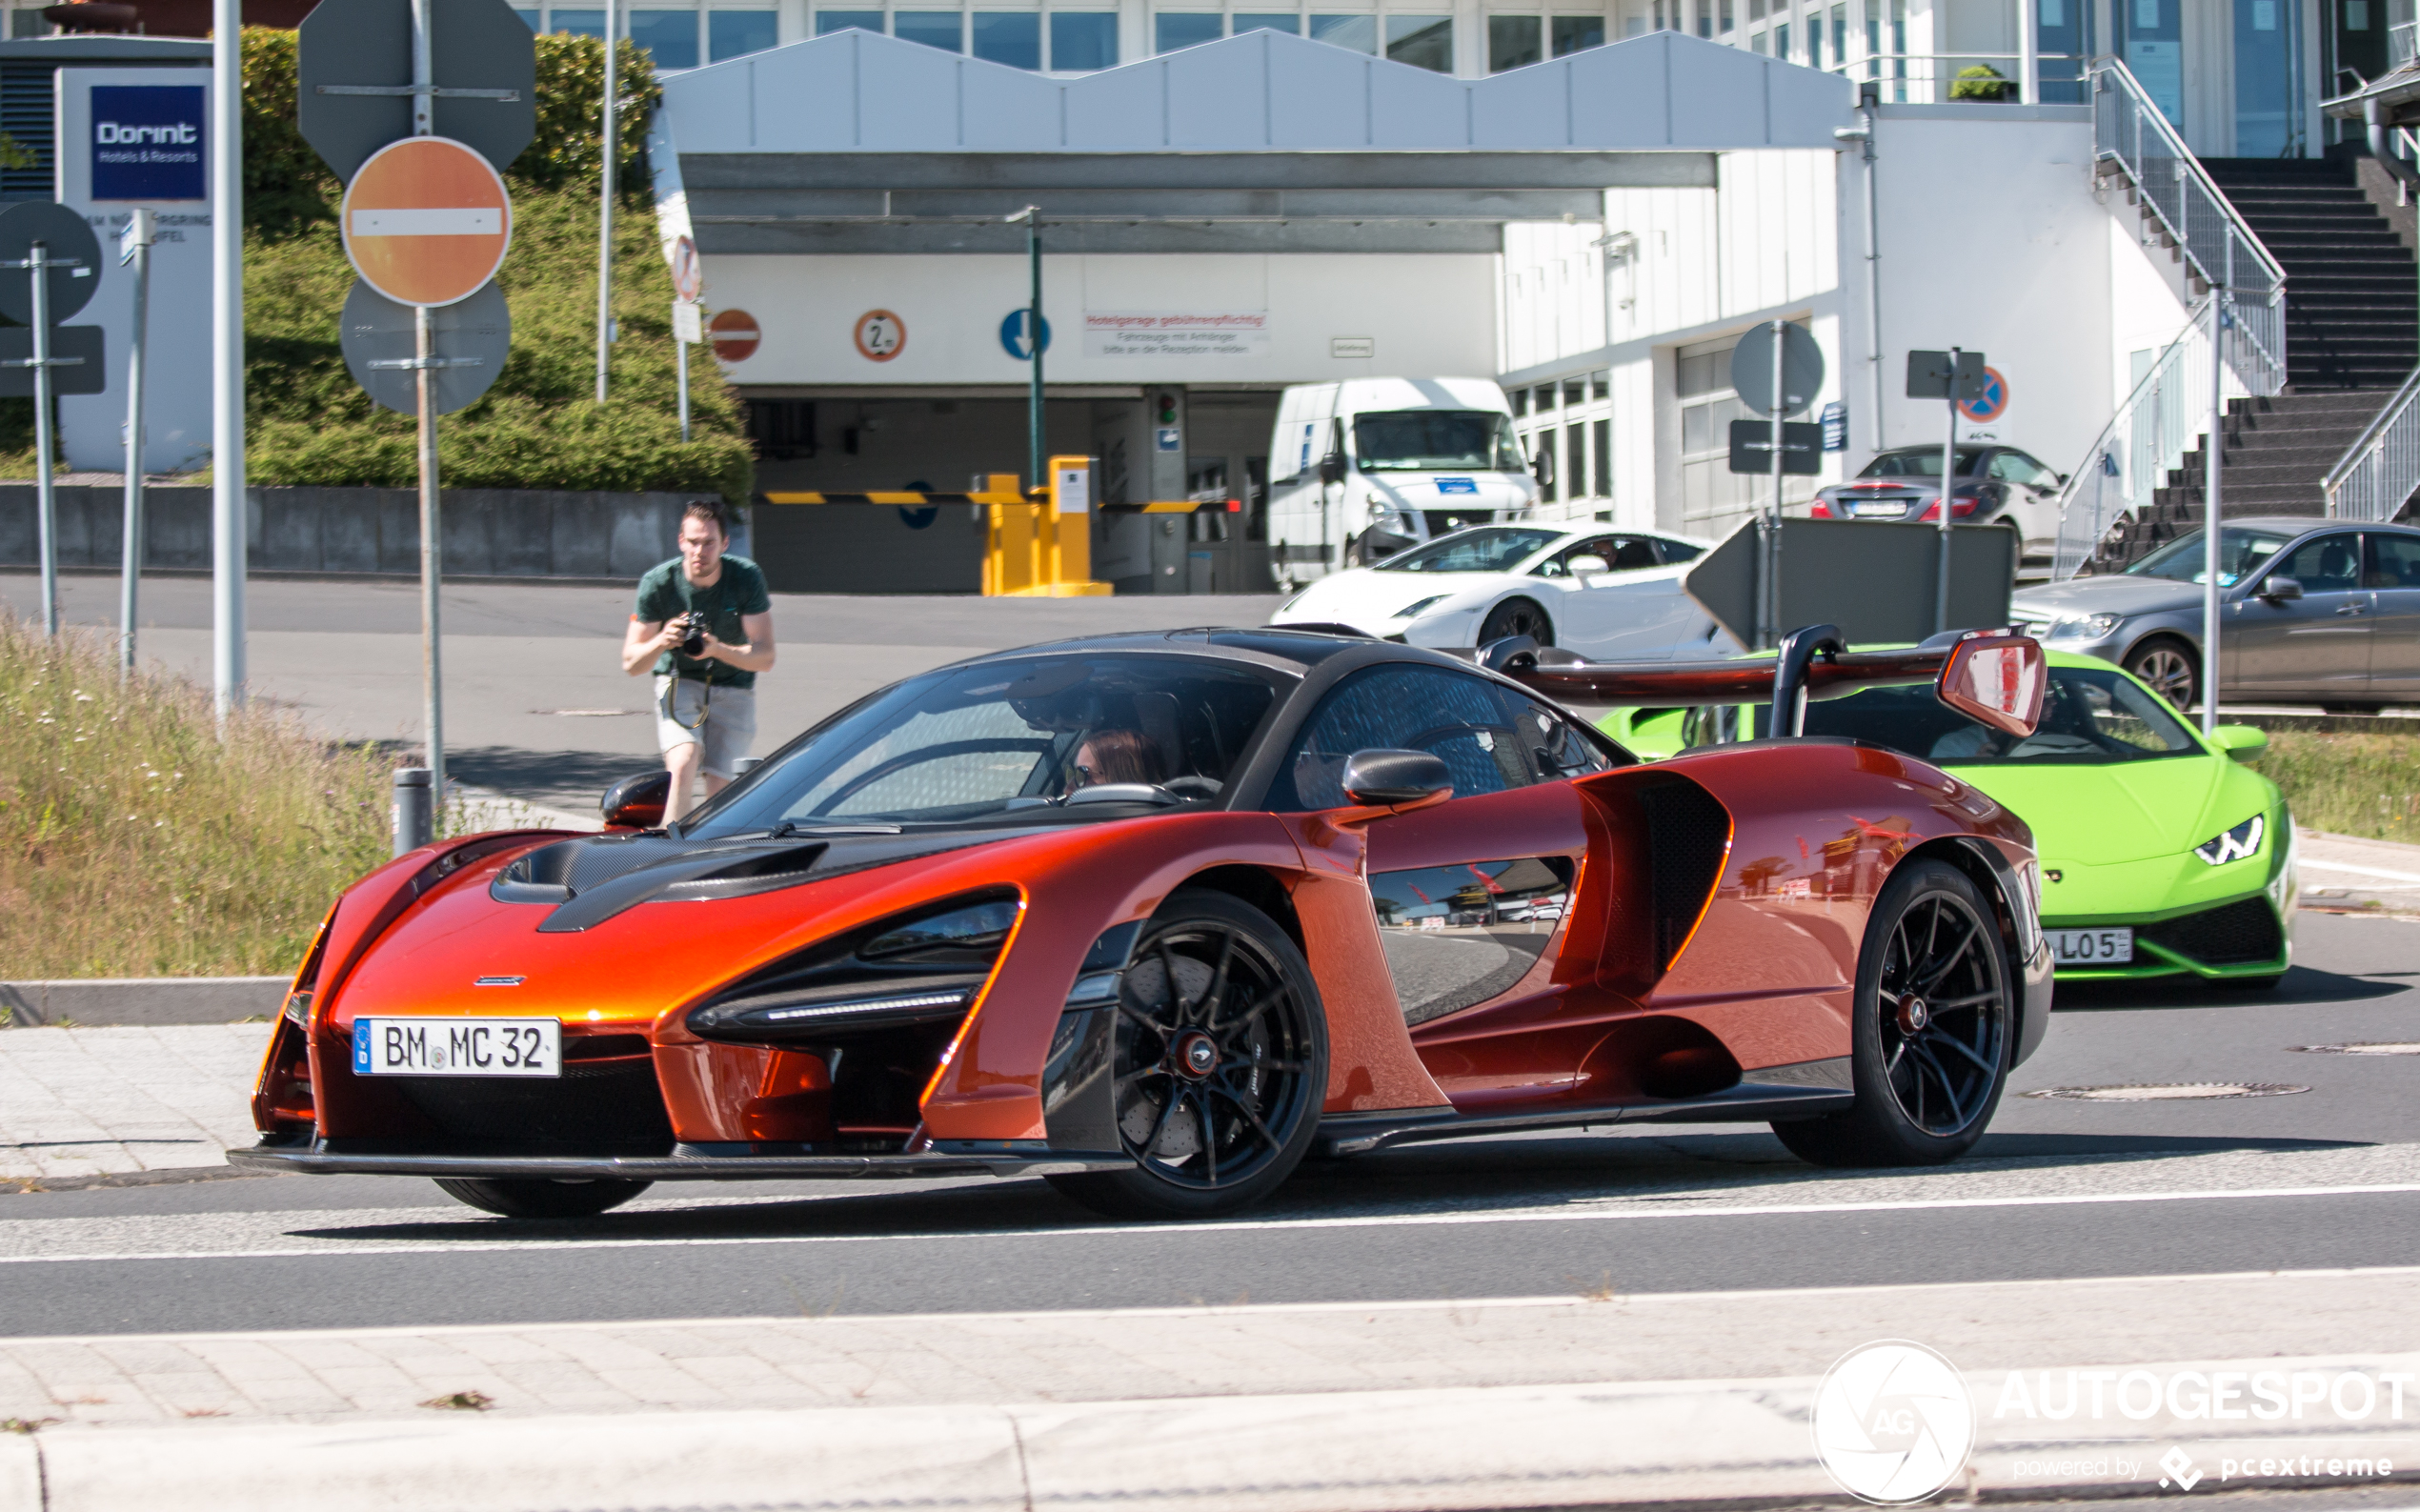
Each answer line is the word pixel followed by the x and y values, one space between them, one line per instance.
pixel 671 701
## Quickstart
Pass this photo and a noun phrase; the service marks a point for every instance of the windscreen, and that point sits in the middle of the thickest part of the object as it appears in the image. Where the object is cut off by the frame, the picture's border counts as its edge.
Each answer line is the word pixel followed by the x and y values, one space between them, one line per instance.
pixel 1010 737
pixel 1488 549
pixel 2241 553
pixel 2089 716
pixel 1420 440
pixel 1921 462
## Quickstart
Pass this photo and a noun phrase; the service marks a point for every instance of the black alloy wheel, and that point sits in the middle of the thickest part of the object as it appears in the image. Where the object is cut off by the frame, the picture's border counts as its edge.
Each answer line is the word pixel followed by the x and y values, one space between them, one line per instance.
pixel 1935 1015
pixel 1517 617
pixel 1220 1055
pixel 525 1197
pixel 2169 666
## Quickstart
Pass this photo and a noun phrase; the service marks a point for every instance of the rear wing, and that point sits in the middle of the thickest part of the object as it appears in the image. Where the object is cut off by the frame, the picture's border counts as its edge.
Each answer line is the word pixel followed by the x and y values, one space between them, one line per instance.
pixel 1993 676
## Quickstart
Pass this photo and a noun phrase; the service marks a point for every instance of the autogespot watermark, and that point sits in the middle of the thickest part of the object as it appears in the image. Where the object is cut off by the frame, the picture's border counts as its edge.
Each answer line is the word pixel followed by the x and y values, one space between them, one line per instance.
pixel 1895 1422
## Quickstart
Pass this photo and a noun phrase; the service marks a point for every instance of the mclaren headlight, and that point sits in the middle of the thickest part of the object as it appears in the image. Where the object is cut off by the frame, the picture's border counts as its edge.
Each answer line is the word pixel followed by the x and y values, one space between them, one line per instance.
pixel 921 968
pixel 2240 843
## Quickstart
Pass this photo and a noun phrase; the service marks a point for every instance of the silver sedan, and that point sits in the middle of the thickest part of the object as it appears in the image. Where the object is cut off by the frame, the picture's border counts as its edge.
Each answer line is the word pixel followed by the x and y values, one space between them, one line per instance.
pixel 2310 612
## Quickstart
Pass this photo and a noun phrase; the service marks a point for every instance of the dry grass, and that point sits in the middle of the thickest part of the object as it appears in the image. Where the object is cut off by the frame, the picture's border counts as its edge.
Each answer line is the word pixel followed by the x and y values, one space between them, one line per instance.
pixel 2348 781
pixel 134 842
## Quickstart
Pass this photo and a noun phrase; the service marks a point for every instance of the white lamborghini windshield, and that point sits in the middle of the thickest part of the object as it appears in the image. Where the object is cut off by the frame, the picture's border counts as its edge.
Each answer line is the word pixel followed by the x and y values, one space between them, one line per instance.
pixel 1488 549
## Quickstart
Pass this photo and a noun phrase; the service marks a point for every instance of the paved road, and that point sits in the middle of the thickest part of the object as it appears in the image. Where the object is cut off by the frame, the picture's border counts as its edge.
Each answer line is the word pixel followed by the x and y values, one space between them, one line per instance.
pixel 537 704
pixel 2329 1176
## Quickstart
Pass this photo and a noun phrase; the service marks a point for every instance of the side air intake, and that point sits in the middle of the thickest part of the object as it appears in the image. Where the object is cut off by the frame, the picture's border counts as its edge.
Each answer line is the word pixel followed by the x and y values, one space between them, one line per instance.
pixel 1688 834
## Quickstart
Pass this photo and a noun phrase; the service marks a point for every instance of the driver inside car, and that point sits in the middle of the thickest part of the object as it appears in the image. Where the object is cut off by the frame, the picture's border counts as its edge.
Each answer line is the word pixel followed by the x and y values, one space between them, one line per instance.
pixel 1115 755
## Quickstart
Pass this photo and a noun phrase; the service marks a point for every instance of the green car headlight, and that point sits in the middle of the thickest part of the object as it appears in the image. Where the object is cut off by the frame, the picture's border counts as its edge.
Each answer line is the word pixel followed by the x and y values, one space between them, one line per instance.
pixel 2236 844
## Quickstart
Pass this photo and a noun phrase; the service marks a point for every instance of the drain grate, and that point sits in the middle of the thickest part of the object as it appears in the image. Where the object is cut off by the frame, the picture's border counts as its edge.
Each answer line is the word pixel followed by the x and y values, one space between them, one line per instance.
pixel 2368 1047
pixel 2171 1091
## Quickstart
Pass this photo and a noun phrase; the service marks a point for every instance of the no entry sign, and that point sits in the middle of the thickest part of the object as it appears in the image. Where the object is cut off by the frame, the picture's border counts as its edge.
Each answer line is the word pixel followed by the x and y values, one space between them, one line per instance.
pixel 734 334
pixel 427 221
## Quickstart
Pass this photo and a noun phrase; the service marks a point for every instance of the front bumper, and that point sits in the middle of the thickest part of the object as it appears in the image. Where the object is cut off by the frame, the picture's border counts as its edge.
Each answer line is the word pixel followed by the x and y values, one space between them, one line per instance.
pixel 2244 938
pixel 687 1162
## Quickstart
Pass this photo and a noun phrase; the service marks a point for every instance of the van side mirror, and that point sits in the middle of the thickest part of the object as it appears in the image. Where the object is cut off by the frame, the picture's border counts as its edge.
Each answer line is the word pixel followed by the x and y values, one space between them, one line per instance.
pixel 1395 779
pixel 1332 468
pixel 1542 467
pixel 638 802
pixel 2277 588
pixel 2062 477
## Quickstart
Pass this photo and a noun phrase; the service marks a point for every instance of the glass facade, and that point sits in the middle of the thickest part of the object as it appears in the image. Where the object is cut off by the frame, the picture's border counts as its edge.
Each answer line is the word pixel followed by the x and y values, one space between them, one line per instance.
pixel 1424 42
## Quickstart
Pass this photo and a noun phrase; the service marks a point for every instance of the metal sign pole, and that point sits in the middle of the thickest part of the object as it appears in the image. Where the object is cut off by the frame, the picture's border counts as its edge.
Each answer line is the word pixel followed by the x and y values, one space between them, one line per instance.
pixel 38 262
pixel 1772 605
pixel 432 520
pixel 605 217
pixel 138 251
pixel 2213 452
pixel 228 500
pixel 1949 485
pixel 681 343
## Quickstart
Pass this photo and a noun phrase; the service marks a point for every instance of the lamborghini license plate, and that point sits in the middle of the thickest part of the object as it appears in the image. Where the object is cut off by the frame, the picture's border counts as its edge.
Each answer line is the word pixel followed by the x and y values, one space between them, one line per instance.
pixel 457 1047
pixel 2092 947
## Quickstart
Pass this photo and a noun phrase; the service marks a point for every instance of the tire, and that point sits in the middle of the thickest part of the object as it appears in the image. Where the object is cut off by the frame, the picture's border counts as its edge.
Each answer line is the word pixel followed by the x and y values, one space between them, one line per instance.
pixel 538 1197
pixel 2169 666
pixel 1518 617
pixel 1240 1056
pixel 1927 1078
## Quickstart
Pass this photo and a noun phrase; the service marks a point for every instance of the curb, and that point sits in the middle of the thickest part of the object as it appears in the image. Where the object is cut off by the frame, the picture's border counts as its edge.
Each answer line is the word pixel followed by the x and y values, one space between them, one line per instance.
pixel 141 1000
pixel 1739 1444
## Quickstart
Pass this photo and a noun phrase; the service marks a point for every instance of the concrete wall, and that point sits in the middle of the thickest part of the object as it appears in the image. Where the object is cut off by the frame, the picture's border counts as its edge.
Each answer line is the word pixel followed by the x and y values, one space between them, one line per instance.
pixel 509 532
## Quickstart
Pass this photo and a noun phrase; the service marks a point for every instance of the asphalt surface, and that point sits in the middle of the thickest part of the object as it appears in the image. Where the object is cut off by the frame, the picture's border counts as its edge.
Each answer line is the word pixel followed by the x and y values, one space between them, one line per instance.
pixel 2324 1178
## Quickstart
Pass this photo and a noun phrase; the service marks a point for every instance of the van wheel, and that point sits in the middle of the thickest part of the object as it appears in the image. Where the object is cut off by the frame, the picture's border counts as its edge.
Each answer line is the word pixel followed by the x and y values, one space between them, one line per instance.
pixel 1517 617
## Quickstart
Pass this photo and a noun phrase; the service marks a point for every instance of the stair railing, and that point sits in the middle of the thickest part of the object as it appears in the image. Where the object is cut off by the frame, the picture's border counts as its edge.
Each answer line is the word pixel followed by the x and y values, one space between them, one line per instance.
pixel 2132 139
pixel 2378 472
pixel 2131 457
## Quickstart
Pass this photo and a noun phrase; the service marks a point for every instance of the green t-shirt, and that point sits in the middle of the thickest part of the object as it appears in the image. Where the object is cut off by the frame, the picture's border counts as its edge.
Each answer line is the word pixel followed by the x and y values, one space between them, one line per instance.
pixel 666 592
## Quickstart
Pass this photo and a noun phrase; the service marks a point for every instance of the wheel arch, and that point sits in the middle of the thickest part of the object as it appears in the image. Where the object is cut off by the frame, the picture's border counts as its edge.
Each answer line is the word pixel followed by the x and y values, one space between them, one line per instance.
pixel 2020 929
pixel 1256 886
pixel 1519 593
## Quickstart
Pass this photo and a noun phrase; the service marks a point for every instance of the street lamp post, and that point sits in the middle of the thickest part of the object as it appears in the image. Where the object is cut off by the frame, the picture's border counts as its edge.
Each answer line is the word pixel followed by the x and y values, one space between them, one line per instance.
pixel 1031 216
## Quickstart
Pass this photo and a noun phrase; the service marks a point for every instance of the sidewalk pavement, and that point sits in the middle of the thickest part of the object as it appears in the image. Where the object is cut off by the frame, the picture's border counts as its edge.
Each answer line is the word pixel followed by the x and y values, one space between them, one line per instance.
pixel 1533 1401
pixel 2348 873
pixel 90 1106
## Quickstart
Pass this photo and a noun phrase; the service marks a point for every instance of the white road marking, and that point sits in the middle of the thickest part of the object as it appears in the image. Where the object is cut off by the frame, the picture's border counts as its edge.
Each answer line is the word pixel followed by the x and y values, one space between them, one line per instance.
pixel 1560 1214
pixel 2309 865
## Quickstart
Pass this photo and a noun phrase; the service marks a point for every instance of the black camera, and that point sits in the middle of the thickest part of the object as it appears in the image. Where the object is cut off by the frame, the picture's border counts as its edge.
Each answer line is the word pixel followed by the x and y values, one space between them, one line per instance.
pixel 692 635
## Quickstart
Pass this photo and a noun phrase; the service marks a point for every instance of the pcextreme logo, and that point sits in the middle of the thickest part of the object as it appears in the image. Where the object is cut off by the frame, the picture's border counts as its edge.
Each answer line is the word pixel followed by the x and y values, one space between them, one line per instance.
pixel 1893 1422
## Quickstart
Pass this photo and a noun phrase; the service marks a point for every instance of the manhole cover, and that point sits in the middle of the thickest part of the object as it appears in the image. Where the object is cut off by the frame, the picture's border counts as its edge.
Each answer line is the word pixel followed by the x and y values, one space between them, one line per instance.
pixel 2171 1091
pixel 2374 1047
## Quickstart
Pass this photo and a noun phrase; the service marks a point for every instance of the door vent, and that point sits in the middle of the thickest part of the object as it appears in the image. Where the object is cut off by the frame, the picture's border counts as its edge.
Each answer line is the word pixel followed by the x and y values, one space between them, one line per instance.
pixel 1688 834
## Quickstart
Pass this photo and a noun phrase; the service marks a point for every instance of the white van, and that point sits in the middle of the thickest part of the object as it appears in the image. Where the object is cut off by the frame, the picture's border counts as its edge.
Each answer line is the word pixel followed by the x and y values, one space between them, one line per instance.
pixel 1363 469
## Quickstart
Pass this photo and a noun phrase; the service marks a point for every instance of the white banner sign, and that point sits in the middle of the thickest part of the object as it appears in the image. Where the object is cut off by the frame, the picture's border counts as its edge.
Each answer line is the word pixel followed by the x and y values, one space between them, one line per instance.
pixel 1139 334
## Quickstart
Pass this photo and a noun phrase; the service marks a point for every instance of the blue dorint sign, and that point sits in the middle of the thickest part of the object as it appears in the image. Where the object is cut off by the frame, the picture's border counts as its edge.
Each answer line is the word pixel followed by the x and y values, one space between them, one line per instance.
pixel 147 142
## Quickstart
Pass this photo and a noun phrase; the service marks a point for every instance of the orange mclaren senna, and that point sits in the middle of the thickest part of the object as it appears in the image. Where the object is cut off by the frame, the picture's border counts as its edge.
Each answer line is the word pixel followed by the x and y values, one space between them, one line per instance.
pixel 1156 916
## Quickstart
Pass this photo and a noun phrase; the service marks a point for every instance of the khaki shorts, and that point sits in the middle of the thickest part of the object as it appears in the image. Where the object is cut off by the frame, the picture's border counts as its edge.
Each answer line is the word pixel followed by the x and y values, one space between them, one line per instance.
pixel 729 727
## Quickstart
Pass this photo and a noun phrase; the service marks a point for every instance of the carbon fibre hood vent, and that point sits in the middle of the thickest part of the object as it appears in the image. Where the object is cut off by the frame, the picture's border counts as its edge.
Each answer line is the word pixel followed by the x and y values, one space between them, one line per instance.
pixel 592 878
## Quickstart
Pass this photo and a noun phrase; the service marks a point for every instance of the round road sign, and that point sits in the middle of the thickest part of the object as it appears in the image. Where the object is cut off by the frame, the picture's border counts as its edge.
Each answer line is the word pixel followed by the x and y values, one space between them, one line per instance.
pixel 688 276
pixel 1012 337
pixel 734 334
pixel 427 221
pixel 881 335
pixel 1752 368
pixel 474 335
pixel 1989 405
pixel 64 235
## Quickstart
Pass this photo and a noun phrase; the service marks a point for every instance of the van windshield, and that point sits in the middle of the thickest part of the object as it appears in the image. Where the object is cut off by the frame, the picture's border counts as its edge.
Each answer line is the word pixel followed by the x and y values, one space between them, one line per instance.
pixel 1420 440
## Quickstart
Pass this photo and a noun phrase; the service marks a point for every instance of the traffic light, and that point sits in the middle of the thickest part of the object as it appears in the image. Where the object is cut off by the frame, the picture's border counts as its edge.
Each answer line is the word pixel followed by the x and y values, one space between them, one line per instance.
pixel 1167 408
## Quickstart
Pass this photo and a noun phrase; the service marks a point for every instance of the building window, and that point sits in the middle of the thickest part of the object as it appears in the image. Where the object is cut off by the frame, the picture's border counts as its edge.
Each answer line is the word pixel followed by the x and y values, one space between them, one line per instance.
pixel 1013 37
pixel 1600 443
pixel 1572 33
pixel 669 37
pixel 1519 402
pixel 1549 487
pixel 577 23
pixel 1185 28
pixel 1711 495
pixel 827 22
pixel 1575 452
pixel 1600 383
pixel 1357 33
pixel 1424 42
pixel 1288 22
pixel 935 28
pixel 1081 41
pixel 736 33
pixel 1575 389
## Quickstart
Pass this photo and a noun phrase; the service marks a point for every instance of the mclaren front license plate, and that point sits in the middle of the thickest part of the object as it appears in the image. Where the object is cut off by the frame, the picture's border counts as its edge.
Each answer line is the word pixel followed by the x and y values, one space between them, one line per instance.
pixel 457 1047
pixel 2092 947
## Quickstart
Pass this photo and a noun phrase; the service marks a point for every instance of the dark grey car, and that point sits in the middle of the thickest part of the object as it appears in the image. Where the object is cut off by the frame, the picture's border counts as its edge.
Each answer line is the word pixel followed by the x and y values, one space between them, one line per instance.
pixel 2310 612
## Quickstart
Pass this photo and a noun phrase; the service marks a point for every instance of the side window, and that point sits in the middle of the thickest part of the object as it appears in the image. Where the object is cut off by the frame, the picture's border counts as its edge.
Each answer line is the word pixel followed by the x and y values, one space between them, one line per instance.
pixel 1455 716
pixel 1558 565
pixel 2393 561
pixel 2015 467
pixel 1678 552
pixel 1556 747
pixel 1629 554
pixel 2330 564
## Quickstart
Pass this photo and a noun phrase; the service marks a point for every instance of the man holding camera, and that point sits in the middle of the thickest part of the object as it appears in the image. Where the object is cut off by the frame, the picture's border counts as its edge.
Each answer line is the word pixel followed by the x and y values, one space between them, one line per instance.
pixel 705 623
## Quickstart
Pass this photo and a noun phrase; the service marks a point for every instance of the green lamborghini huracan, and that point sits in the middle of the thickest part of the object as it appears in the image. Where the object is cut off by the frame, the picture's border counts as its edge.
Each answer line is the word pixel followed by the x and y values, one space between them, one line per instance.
pixel 2162 853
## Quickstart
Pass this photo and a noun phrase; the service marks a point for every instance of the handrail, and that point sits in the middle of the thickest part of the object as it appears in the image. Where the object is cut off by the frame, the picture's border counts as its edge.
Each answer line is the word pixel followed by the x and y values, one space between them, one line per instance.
pixel 2379 472
pixel 2146 436
pixel 2130 132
